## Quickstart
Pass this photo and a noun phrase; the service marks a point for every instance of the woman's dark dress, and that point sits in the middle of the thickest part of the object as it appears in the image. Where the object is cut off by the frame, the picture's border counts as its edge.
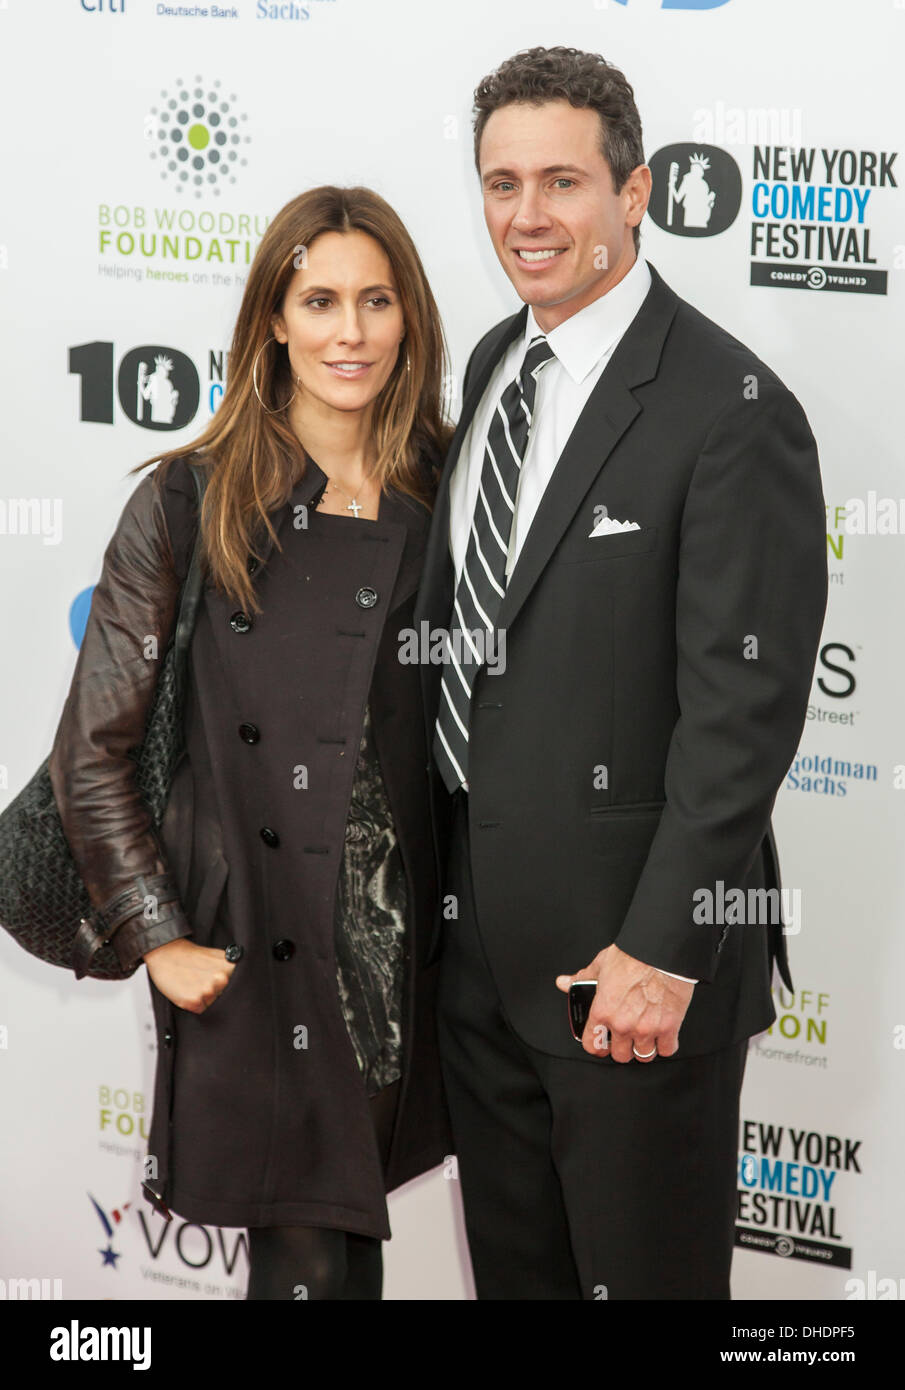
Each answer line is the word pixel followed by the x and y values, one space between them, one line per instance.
pixel 250 1126
pixel 370 925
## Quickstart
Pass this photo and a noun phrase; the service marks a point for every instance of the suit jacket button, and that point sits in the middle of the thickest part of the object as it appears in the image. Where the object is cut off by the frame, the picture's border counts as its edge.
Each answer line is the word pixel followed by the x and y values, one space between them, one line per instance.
pixel 249 733
pixel 240 622
pixel 366 597
pixel 270 837
pixel 234 952
pixel 283 950
pixel 168 1039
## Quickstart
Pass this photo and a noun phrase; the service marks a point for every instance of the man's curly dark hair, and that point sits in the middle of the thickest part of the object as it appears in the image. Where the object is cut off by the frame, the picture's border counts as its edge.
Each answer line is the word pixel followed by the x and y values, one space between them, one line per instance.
pixel 582 79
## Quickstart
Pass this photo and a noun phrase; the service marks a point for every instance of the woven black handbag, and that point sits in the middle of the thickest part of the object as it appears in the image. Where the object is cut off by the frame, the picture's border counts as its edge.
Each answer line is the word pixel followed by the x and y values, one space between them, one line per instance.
pixel 43 903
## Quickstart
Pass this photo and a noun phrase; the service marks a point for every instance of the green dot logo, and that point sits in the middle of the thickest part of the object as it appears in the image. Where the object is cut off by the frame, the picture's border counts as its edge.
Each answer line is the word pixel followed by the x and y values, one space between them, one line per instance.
pixel 197 137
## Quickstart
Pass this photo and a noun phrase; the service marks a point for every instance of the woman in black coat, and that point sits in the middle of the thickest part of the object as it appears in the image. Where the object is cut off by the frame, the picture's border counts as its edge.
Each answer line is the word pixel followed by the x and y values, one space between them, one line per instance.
pixel 286 911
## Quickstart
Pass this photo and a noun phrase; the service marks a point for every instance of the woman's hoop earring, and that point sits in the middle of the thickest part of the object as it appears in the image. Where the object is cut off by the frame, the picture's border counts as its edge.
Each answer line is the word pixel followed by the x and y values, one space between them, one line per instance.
pixel 254 381
pixel 408 363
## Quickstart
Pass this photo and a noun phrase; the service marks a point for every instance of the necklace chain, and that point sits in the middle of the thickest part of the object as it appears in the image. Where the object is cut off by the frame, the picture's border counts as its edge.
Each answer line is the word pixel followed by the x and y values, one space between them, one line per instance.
pixel 354 505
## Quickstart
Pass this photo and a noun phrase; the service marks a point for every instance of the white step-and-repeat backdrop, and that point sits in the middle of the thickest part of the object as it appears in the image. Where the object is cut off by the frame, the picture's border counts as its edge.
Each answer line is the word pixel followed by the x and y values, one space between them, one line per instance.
pixel 115 251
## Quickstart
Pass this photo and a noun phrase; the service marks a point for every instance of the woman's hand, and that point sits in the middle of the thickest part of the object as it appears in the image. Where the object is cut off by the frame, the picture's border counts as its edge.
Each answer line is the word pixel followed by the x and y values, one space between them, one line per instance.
pixel 190 976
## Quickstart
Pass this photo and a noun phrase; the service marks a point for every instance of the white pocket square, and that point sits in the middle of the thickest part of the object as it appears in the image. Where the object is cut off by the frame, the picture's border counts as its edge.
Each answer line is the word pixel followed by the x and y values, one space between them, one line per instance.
pixel 608 526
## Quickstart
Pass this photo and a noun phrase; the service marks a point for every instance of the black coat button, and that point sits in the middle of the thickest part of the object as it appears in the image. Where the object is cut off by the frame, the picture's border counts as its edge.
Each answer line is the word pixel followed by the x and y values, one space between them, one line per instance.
pixel 252 564
pixel 270 837
pixel 168 1039
pixel 283 950
pixel 234 952
pixel 249 733
pixel 366 597
pixel 240 622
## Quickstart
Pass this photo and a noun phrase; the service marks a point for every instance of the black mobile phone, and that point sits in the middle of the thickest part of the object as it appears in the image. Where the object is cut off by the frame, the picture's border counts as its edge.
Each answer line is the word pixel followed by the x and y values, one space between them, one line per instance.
pixel 581 997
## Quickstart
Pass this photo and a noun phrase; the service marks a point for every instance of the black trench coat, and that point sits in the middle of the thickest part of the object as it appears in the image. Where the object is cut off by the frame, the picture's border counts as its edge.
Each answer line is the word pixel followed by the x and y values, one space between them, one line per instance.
pixel 260 1113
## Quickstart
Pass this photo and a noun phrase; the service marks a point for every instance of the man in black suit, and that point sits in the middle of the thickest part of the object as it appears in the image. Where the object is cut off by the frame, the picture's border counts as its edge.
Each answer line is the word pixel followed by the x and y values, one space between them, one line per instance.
pixel 628 555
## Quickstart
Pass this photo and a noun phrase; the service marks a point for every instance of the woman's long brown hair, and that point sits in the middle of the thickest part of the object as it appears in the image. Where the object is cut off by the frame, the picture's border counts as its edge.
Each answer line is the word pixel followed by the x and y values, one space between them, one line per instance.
pixel 257 459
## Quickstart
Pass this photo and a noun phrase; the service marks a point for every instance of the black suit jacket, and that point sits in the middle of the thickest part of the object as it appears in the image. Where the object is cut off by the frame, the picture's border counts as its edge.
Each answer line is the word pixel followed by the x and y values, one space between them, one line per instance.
pixel 633 653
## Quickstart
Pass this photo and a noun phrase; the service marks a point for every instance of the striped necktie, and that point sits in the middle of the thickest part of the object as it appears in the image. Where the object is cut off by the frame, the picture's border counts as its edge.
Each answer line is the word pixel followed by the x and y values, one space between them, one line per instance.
pixel 482 582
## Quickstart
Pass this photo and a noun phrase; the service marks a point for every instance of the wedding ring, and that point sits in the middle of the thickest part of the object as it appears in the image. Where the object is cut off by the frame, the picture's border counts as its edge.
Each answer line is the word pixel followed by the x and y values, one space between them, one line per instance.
pixel 643 1056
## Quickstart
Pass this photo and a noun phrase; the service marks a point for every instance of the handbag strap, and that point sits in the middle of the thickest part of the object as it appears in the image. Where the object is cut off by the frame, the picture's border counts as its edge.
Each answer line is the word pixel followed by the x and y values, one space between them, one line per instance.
pixel 99 925
pixel 192 588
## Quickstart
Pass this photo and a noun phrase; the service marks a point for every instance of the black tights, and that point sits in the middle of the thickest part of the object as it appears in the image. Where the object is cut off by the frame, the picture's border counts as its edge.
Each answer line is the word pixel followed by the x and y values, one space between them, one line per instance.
pixel 307 1262
pixel 302 1262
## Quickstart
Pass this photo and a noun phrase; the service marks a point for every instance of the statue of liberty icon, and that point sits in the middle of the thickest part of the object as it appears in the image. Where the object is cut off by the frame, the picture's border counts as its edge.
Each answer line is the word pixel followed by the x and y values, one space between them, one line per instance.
pixel 158 389
pixel 694 193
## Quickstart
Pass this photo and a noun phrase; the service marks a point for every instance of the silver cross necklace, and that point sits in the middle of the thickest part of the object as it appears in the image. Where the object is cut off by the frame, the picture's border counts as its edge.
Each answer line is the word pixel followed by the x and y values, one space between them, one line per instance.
pixel 354 504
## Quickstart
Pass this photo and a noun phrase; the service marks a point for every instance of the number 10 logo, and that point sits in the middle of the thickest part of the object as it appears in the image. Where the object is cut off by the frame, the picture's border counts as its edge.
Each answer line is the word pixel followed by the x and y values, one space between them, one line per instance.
pixel 158 387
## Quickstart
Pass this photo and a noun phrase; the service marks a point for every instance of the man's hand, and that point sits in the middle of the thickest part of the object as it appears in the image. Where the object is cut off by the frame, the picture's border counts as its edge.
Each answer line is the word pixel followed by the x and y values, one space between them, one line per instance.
pixel 634 1004
pixel 190 976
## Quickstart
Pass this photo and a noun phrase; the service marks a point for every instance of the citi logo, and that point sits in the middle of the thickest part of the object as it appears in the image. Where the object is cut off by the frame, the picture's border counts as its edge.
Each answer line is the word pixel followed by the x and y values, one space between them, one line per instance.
pixel 75 1343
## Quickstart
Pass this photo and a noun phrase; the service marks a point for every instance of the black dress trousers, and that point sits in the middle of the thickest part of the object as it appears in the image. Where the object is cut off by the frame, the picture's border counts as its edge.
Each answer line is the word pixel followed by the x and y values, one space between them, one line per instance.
pixel 590 1179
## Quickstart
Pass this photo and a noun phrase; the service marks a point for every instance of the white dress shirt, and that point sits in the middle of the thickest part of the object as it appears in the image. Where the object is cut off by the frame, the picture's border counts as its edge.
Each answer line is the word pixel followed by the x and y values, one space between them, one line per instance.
pixel 583 345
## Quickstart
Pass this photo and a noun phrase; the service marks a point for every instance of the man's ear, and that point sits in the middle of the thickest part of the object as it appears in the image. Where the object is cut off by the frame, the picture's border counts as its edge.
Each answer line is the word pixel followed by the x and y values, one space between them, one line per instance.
pixel 638 190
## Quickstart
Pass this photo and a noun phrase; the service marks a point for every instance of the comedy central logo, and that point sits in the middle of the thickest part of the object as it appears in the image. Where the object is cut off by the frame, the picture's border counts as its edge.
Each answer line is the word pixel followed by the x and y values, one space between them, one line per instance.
pixel 196 135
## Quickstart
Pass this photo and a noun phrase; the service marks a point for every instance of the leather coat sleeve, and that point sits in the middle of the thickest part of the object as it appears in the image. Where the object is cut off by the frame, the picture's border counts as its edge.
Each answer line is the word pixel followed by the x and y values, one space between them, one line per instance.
pixel 105 818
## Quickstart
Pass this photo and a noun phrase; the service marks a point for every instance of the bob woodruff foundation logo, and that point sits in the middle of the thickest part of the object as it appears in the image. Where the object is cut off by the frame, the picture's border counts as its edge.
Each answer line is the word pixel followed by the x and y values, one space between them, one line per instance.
pixel 196 137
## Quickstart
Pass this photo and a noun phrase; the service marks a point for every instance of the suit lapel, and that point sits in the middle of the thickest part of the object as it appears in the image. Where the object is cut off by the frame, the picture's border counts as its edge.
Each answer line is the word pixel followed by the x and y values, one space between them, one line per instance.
pixel 399 509
pixel 302 494
pixel 608 413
